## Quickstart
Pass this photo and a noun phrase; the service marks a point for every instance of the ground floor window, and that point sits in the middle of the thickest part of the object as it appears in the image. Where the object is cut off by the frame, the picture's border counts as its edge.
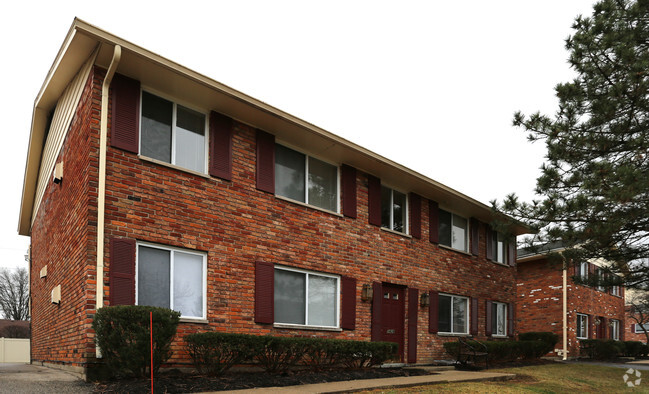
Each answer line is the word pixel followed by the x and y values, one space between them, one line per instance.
pixel 171 278
pixel 582 326
pixel 453 314
pixel 638 328
pixel 615 330
pixel 499 318
pixel 306 298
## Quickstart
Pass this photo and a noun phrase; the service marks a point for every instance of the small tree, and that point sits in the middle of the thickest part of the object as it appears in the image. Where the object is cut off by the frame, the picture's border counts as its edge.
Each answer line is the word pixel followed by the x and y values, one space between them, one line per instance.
pixel 14 293
pixel 639 311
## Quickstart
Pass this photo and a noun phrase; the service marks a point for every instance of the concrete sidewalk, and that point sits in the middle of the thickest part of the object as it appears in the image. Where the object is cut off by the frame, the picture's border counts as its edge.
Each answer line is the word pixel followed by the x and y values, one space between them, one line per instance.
pixel 18 378
pixel 440 376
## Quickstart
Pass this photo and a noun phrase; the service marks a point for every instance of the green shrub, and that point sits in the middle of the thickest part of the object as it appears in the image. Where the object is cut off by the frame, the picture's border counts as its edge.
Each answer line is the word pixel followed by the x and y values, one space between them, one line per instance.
pixel 533 349
pixel 633 348
pixel 277 354
pixel 361 354
pixel 644 351
pixel 122 333
pixel 549 338
pixel 215 352
pixel 502 351
pixel 320 353
pixel 601 349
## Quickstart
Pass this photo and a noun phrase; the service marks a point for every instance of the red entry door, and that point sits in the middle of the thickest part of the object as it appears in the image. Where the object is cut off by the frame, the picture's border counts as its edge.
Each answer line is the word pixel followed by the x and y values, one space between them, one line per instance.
pixel 392 315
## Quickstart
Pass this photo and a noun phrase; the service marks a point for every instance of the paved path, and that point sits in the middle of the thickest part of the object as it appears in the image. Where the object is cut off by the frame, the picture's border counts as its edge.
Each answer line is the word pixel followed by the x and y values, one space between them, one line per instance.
pixel 28 378
pixel 641 365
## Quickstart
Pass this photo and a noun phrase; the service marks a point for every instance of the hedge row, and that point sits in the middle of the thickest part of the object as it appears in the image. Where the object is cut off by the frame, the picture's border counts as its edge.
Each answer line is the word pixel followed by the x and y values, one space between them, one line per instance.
pixel 214 353
pixel 603 349
pixel 530 346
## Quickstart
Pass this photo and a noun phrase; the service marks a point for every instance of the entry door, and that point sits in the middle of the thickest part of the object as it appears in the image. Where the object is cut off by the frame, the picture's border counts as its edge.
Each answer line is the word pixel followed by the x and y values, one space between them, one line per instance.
pixel 392 315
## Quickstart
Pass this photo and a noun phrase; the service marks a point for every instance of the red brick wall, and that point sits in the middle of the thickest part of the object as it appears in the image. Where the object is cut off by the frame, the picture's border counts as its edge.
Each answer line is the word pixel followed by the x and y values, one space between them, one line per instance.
pixel 540 305
pixel 235 224
pixel 62 239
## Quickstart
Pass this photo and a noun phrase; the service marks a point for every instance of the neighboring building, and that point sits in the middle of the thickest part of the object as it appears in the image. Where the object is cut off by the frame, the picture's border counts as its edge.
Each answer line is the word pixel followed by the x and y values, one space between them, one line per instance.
pixel 633 329
pixel 591 312
pixel 242 217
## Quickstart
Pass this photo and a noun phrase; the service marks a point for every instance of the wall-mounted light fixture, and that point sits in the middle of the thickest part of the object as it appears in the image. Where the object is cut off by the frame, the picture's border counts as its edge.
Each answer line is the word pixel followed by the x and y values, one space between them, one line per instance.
pixel 58 172
pixel 366 293
pixel 424 299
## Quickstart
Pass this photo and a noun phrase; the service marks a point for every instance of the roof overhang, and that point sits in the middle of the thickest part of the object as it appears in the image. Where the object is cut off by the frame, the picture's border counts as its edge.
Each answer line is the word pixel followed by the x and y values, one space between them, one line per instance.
pixel 159 73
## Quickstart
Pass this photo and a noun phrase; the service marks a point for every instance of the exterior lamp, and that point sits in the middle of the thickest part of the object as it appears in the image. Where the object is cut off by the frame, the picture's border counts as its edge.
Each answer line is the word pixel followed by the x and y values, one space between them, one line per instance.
pixel 366 293
pixel 424 300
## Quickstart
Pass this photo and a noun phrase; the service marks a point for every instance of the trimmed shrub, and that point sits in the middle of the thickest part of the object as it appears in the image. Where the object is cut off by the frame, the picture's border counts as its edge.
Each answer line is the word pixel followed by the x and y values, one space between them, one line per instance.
pixel 361 354
pixel 277 354
pixel 601 349
pixel 215 352
pixel 498 351
pixel 533 349
pixel 633 348
pixel 549 338
pixel 122 333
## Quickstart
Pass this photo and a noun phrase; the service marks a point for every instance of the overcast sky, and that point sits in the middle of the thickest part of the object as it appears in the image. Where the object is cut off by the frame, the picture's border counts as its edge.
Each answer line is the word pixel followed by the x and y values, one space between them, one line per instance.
pixel 429 84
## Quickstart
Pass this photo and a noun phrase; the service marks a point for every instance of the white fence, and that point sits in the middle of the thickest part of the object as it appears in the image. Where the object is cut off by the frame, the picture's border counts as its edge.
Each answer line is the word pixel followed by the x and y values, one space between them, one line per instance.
pixel 14 350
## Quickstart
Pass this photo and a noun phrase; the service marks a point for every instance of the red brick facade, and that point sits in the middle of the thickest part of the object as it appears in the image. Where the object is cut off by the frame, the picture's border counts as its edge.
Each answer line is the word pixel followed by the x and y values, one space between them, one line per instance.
pixel 236 225
pixel 539 304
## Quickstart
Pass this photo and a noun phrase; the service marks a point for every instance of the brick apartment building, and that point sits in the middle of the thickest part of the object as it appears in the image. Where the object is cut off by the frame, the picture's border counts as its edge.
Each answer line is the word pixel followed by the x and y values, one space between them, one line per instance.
pixel 171 189
pixel 591 312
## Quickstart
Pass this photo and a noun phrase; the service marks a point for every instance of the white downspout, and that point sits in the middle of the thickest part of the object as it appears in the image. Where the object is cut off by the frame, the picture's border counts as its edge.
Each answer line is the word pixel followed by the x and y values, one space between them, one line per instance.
pixel 565 309
pixel 103 129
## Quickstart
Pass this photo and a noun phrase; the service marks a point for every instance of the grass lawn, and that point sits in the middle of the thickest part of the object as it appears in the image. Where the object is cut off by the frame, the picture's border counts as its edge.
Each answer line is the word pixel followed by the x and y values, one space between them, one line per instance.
pixel 548 378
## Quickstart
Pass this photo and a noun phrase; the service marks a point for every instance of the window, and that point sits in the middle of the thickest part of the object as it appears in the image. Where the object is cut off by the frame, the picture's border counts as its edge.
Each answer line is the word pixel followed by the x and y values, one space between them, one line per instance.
pixel 499 248
pixel 615 290
pixel 305 179
pixel 582 326
pixel 583 270
pixel 615 329
pixel 453 230
pixel 393 210
pixel 172 133
pixel 453 314
pixel 306 298
pixel 599 274
pixel 499 318
pixel 171 278
pixel 638 328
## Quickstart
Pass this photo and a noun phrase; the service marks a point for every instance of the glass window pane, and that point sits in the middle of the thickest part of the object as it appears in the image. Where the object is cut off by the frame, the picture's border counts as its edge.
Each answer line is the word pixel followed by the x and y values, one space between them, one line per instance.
pixel 444 228
pixel 190 139
pixel 156 127
pixel 500 319
pixel 289 173
pixel 459 233
pixel 444 316
pixel 153 271
pixel 188 284
pixel 500 249
pixel 322 301
pixel 459 315
pixel 386 196
pixel 290 297
pixel 399 211
pixel 323 185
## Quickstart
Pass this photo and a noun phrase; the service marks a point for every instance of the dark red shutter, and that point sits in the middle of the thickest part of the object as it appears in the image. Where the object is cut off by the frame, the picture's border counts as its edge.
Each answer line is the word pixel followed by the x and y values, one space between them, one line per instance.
pixel 348 321
pixel 433 222
pixel 572 269
pixel 220 146
pixel 125 114
pixel 475 236
pixel 621 328
pixel 122 272
pixel 602 324
pixel 591 269
pixel 511 252
pixel 348 181
pixel 490 243
pixel 510 319
pixel 265 162
pixel 374 196
pixel 413 308
pixel 589 330
pixel 264 292
pixel 415 215
pixel 377 300
pixel 474 316
pixel 488 318
pixel 433 313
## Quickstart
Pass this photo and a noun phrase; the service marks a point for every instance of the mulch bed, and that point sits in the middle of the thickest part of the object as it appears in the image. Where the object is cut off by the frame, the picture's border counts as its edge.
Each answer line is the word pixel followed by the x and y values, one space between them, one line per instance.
pixel 178 382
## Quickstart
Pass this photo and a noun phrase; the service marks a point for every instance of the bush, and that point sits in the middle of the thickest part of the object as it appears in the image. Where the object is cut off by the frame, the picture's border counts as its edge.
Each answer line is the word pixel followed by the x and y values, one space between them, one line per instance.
pixel 549 338
pixel 601 349
pixel 277 354
pixel 122 333
pixel 214 352
pixel 633 348
pixel 534 349
pixel 360 354
pixel 498 351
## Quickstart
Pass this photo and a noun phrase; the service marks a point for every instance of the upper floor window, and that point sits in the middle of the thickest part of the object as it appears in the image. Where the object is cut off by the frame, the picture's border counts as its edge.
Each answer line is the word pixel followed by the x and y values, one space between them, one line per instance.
pixel 453 230
pixel 171 278
pixel 173 133
pixel 499 248
pixel 583 270
pixel 305 179
pixel 453 314
pixel 393 210
pixel 582 326
pixel 306 298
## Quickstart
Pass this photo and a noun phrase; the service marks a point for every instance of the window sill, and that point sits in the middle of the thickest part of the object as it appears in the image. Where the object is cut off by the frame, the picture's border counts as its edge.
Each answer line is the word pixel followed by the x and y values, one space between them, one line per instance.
pixel 300 203
pixel 175 167
pixel 192 320
pixel 451 334
pixel 455 250
pixel 500 264
pixel 500 336
pixel 387 230
pixel 308 328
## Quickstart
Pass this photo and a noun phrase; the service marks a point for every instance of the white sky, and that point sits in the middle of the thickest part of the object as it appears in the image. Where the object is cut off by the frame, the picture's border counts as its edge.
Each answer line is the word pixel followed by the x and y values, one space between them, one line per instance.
pixel 429 84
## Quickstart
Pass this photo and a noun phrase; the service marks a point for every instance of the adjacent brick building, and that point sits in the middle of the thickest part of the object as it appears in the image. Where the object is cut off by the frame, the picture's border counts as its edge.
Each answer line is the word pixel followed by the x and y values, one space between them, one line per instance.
pixel 242 217
pixel 591 312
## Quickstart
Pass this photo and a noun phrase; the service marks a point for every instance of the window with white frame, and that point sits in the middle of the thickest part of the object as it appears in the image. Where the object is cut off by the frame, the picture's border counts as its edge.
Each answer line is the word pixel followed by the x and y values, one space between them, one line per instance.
pixel 582 326
pixel 615 290
pixel 615 329
pixel 173 133
pixel 583 270
pixel 306 298
pixel 453 230
pixel 394 210
pixel 600 278
pixel 172 278
pixel 305 179
pixel 638 328
pixel 499 248
pixel 453 314
pixel 498 318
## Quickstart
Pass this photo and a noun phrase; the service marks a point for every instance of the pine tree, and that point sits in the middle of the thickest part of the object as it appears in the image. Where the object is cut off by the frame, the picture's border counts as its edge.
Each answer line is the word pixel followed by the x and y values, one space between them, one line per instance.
pixel 594 185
